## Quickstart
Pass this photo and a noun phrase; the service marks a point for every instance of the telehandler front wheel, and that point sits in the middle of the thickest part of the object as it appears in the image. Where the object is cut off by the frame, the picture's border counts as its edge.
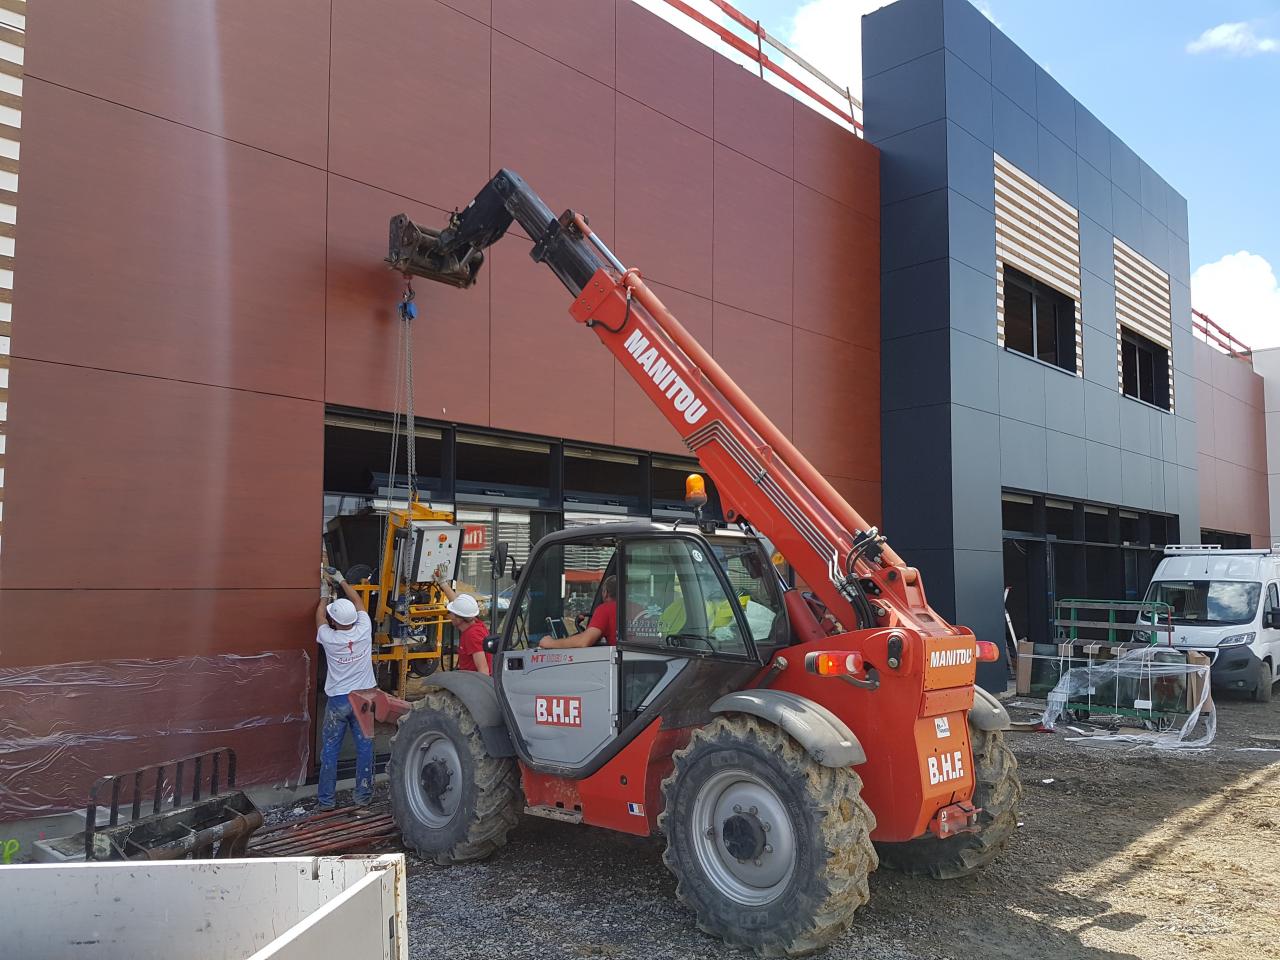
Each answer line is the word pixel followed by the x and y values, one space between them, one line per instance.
pixel 997 793
pixel 451 800
pixel 770 849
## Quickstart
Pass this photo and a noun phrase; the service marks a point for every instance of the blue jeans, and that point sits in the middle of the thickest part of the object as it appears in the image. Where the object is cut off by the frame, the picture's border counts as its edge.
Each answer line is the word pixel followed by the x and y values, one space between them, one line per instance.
pixel 338 719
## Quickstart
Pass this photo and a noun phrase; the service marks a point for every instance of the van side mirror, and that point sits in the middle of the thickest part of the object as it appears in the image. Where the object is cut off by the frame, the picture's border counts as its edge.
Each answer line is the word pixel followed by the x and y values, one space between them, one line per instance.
pixel 1271 619
pixel 498 559
pixel 491 643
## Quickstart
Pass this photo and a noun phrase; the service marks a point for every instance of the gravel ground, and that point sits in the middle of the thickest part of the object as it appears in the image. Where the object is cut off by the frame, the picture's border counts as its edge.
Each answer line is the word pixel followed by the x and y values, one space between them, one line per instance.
pixel 1123 853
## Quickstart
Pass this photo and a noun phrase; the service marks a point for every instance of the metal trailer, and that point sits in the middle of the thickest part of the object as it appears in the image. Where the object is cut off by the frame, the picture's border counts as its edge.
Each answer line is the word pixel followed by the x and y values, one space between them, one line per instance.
pixel 303 908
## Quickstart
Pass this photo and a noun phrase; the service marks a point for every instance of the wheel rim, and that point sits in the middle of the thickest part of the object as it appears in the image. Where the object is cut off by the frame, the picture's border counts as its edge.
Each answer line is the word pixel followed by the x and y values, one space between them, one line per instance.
pixel 435 780
pixel 743 837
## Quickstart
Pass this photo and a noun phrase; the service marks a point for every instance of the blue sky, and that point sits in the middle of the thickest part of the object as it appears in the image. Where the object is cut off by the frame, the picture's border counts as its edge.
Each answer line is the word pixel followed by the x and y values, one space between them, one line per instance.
pixel 1207 119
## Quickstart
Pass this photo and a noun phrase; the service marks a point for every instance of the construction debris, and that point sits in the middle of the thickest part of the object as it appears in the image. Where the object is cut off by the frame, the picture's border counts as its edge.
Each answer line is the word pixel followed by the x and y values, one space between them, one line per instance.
pixel 345 830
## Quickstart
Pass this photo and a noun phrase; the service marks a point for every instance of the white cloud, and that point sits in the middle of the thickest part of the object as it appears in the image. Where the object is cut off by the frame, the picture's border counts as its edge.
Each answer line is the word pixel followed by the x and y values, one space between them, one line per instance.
pixel 1233 39
pixel 1240 293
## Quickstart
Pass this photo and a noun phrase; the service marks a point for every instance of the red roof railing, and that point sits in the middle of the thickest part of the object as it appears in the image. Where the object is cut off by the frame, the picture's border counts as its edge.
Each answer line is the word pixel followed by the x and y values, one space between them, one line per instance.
pixel 756 53
pixel 1218 337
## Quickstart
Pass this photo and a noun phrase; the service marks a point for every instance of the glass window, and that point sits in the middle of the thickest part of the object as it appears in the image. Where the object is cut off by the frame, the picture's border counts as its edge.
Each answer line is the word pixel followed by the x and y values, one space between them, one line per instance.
pixel 1221 602
pixel 1145 367
pixel 605 477
pixel 561 590
pixel 674 600
pixel 755 584
pixel 1039 320
pixel 357 457
pixel 494 466
pixel 1273 597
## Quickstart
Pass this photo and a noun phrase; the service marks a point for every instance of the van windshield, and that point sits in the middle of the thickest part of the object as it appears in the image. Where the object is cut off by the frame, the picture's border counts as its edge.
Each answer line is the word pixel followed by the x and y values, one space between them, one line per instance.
pixel 1208 602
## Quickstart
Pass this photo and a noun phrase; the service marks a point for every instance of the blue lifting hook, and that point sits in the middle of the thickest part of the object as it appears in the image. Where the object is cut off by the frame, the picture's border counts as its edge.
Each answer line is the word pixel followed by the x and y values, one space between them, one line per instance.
pixel 407 309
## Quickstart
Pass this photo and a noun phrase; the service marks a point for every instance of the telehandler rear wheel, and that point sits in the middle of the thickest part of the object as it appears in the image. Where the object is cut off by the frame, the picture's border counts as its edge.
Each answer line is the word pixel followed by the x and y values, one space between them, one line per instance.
pixel 451 800
pixel 770 849
pixel 997 792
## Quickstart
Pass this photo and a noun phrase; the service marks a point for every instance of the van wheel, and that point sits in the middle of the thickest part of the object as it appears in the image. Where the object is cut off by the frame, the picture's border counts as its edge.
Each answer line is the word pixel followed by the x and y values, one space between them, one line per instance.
pixel 1262 692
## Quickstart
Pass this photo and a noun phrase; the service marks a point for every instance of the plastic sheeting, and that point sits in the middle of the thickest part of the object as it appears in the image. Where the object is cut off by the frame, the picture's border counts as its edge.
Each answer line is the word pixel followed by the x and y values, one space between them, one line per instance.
pixel 64 725
pixel 1136 675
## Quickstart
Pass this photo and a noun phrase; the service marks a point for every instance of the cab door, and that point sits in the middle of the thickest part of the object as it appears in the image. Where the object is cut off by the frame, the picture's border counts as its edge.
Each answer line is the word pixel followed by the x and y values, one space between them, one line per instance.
pixel 563 704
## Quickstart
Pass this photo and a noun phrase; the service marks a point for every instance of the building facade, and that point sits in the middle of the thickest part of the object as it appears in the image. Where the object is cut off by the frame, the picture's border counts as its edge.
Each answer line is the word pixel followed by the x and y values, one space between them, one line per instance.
pixel 960 317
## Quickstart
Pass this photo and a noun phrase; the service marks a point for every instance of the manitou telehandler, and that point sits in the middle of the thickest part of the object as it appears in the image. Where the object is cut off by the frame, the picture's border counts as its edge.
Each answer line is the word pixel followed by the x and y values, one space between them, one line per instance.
pixel 784 742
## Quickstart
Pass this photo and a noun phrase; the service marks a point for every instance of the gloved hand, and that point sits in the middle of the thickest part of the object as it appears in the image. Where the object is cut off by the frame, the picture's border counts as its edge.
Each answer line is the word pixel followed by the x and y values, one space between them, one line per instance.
pixel 334 575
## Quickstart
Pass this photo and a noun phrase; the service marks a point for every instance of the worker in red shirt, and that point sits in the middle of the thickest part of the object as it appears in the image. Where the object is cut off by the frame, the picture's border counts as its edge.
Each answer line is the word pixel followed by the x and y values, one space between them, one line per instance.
pixel 465 614
pixel 603 622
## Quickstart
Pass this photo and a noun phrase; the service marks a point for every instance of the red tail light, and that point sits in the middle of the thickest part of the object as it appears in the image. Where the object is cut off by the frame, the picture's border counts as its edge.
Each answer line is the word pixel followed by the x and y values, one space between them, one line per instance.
pixel 988 652
pixel 833 663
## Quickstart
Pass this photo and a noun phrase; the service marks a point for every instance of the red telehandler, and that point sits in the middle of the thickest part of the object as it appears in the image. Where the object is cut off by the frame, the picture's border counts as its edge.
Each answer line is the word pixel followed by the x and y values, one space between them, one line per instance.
pixel 784 742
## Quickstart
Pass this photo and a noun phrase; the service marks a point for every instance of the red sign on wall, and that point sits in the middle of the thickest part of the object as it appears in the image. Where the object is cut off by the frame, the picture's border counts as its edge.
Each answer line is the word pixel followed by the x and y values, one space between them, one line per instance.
pixel 475 536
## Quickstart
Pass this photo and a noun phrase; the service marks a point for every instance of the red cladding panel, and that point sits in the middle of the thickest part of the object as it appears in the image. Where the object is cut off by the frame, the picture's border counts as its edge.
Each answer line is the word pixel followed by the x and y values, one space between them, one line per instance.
pixel 753 236
pixel 837 391
pixel 834 162
pixel 554 127
pixel 163 622
pixel 753 117
pixel 664 198
pixel 663 68
pixel 410 99
pixel 550 375
pixel 477 9
pixel 756 352
pixel 837 270
pixel 638 422
pixel 251 71
pixel 166 485
pixel 575 32
pixel 166 251
pixel 450 336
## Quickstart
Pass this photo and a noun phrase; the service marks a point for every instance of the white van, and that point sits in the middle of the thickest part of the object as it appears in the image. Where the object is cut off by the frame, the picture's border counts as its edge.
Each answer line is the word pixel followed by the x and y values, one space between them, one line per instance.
pixel 1226 604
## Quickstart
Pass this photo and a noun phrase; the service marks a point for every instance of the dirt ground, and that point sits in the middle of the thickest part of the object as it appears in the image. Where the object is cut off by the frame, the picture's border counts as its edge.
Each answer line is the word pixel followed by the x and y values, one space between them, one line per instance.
pixel 1123 853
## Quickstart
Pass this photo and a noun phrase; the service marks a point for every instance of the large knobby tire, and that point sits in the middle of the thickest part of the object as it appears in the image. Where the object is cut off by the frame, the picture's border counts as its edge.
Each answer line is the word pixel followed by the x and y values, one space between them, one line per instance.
pixel 451 800
pixel 997 793
pixel 770 849
pixel 1262 692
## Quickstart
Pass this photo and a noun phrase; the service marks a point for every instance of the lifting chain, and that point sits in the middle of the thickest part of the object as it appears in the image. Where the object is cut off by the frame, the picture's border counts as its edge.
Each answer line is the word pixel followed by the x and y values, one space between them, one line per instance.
pixel 408 311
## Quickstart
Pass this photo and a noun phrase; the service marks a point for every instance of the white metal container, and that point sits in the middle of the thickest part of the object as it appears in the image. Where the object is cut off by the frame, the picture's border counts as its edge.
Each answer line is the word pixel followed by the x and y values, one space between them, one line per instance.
pixel 296 908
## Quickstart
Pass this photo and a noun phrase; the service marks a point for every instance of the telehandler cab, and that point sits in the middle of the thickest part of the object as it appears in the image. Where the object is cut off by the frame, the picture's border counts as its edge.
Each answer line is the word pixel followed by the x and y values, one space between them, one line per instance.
pixel 784 742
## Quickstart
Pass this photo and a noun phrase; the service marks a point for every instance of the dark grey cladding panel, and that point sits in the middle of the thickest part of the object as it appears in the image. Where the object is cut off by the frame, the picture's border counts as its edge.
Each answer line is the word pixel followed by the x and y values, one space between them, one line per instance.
pixel 1178 214
pixel 1057 166
pixel 1094 192
pixel 1064 402
pixel 1022 387
pixel 1013 73
pixel 1103 466
pixel 973 301
pixel 915 371
pixel 1155 193
pixel 1023 455
pixel 1093 141
pixel 1055 108
pixel 937 568
pixel 1015 134
pixel 970 163
pixel 900 32
pixel 1126 217
pixel 1155 241
pixel 1100 357
pixel 917 489
pixel 913 231
pixel 1135 480
pixel 1126 168
pixel 972 232
pixel 1065 468
pixel 913 162
pixel 1098 300
pixel 968 98
pixel 967 33
pixel 975 477
pixel 974 372
pixel 904 97
pixel 914 299
pixel 1135 427
pixel 1179 259
pixel 1180 300
pixel 1102 411
pixel 1096 256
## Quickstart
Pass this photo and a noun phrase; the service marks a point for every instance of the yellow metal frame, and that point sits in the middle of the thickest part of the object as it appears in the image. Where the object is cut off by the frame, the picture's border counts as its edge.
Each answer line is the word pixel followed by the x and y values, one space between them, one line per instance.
pixel 419 616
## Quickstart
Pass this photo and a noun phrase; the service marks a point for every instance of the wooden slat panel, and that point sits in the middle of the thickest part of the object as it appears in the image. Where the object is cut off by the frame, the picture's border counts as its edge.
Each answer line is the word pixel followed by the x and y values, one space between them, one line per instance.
pixel 11 68
pixel 10 133
pixel 1142 296
pixel 13 35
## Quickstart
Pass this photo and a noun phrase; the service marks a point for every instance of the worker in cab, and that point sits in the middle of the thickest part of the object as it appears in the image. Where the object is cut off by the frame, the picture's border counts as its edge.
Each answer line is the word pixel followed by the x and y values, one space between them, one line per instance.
pixel 464 612
pixel 345 632
pixel 603 624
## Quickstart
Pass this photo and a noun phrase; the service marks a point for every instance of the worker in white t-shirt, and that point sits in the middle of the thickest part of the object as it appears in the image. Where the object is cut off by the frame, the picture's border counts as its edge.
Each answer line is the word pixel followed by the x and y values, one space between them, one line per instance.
pixel 345 632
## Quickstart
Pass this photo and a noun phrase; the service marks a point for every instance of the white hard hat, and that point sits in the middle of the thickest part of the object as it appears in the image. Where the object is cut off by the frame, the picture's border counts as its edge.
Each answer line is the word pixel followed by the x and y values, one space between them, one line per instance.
pixel 343 612
pixel 464 605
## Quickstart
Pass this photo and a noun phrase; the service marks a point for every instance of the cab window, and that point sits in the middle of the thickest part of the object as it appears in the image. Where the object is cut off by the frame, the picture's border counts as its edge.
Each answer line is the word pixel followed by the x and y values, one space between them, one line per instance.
pixel 560 591
pixel 755 584
pixel 674 600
